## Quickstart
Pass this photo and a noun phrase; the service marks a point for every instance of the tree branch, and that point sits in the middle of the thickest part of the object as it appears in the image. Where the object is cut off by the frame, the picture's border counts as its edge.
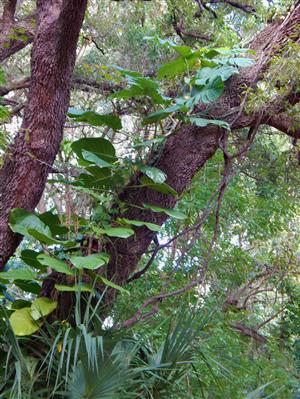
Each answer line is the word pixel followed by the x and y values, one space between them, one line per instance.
pixel 15 36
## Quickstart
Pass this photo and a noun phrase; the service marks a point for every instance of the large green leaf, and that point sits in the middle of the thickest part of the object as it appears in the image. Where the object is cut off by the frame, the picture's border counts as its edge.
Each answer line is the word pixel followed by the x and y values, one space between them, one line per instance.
pixel 140 223
pixel 30 225
pixel 52 220
pixel 95 145
pixel 28 286
pixel 30 258
pixel 209 92
pixel 140 86
pixel 201 122
pixel 120 232
pixel 22 323
pixel 204 75
pixel 18 274
pixel 155 174
pixel 170 212
pixel 21 221
pixel 95 119
pixel 55 264
pixel 93 158
pixel 41 307
pixel 240 62
pixel 162 187
pixel 164 113
pixel 91 262
pixel 178 66
pixel 48 239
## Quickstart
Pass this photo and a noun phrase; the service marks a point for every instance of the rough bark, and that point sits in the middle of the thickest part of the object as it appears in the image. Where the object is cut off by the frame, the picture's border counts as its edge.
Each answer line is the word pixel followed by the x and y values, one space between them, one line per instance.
pixel 182 156
pixel 29 159
pixel 185 153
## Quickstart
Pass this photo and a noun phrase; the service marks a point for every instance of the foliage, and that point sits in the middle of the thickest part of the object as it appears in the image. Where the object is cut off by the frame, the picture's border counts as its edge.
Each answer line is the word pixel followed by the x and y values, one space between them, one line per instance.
pixel 139 89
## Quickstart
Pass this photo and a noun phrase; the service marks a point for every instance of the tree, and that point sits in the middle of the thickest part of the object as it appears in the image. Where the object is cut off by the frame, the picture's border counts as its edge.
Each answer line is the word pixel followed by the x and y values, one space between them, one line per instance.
pixel 218 107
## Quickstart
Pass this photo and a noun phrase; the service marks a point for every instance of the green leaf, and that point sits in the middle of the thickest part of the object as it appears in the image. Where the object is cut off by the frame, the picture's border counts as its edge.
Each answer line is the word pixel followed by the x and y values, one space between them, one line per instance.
pixel 53 222
pixel 120 232
pixel 41 307
pixel 204 75
pixel 29 257
pixel 148 143
pixel 18 274
pixel 163 113
pixel 140 86
pixel 22 323
pixel 162 188
pixel 74 288
pixel 178 66
pixel 28 286
pixel 155 174
pixel 201 122
pixel 48 239
pixel 209 92
pixel 21 221
pixel 170 212
pixel 93 158
pixel 95 119
pixel 140 223
pixel 239 62
pixel 113 285
pixel 91 262
pixel 55 264
pixel 96 145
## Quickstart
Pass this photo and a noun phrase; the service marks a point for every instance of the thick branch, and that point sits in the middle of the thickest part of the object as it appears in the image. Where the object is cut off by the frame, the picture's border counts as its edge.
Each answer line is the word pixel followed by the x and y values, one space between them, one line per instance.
pixel 244 7
pixel 285 124
pixel 15 36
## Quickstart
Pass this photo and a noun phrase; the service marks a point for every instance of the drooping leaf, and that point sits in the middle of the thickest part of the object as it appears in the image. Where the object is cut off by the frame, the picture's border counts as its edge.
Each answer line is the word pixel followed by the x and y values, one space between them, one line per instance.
pixel 28 286
pixel 155 174
pixel 41 307
pixel 140 223
pixel 91 262
pixel 93 158
pixel 95 119
pixel 120 232
pixel 30 258
pixel 48 239
pixel 140 86
pixel 164 113
pixel 18 274
pixel 170 212
pixel 22 323
pixel 55 264
pixel 21 221
pixel 52 220
pixel 162 187
pixel 201 122
pixel 96 145
pixel 208 92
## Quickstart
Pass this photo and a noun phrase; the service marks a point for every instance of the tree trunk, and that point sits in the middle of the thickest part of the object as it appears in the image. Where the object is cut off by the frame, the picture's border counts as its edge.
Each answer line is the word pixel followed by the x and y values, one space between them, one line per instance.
pixel 29 160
